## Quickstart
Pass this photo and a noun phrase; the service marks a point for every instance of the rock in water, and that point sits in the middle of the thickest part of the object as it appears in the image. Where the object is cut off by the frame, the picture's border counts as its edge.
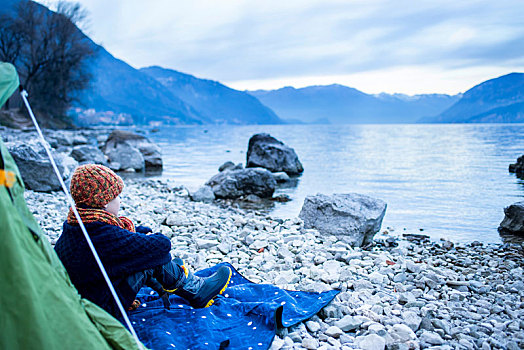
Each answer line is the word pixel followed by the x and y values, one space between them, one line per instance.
pixel 226 166
pixel 35 167
pixel 267 152
pixel 281 177
pixel 514 219
pixel 518 167
pixel 243 182
pixel 353 218
pixel 88 155
pixel 120 141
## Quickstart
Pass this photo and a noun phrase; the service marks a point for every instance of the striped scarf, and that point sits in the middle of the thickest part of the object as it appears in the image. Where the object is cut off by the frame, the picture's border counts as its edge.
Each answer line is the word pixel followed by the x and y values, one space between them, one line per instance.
pixel 100 215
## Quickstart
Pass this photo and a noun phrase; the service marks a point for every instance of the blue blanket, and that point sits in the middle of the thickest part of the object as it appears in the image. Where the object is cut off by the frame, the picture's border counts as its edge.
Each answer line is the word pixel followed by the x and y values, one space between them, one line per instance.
pixel 244 317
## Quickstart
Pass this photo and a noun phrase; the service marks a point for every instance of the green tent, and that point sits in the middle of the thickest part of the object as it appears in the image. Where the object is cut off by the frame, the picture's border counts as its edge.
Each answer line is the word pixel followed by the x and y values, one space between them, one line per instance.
pixel 39 306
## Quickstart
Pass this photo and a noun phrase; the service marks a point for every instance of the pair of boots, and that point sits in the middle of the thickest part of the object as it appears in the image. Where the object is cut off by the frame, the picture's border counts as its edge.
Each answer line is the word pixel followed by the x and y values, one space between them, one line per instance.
pixel 199 291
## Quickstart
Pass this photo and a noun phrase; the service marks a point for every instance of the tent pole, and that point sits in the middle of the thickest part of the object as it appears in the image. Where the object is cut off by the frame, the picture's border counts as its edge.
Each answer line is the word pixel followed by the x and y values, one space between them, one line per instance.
pixel 71 203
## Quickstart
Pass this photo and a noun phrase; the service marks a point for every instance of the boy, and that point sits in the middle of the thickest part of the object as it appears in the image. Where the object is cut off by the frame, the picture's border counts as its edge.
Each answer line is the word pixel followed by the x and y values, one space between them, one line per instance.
pixel 132 257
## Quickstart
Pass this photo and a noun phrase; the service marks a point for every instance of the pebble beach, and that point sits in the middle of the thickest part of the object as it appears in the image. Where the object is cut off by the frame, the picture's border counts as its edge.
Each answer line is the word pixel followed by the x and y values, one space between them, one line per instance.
pixel 416 294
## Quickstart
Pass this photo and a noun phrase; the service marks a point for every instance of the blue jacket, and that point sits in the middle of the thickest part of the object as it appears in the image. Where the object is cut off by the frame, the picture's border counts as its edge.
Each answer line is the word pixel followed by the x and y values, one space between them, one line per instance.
pixel 122 253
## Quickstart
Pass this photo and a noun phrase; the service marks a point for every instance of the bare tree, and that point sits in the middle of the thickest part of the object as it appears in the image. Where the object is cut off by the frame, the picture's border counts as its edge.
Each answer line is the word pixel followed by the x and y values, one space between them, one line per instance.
pixel 52 53
pixel 10 40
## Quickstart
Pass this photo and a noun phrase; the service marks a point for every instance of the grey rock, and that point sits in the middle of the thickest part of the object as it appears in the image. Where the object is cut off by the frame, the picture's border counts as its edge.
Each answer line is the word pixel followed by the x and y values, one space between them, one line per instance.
pixel 123 141
pixel 334 332
pixel 411 319
pixel 252 198
pixel 62 138
pixel 513 221
pixel 205 243
pixel 427 324
pixel 400 278
pixel 88 154
pixel 431 338
pixel 283 253
pixel 265 151
pixel 313 326
pixel 350 323
pixel 346 339
pixel 310 343
pixel 224 247
pixel 226 166
pixel 402 333
pixel 362 284
pixel 35 167
pixel 203 194
pixel 296 337
pixel 281 177
pixel 442 324
pixel 277 344
pixel 512 345
pixel 79 140
pixel 371 342
pixel 517 167
pixel 406 297
pixel 353 218
pixel 176 219
pixel 412 266
pixel 243 182
pixel 286 277
pixel 123 156
pixel 331 311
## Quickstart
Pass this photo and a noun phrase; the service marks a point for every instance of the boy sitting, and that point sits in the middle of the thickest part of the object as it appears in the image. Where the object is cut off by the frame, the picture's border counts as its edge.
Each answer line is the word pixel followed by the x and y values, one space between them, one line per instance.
pixel 133 257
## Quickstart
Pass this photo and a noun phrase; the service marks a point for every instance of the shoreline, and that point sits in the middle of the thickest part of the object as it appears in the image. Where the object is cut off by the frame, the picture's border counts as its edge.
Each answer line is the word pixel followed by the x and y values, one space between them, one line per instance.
pixel 435 295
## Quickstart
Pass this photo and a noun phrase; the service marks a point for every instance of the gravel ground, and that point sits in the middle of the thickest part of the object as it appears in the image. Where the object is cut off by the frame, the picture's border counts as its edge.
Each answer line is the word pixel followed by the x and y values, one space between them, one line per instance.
pixel 395 294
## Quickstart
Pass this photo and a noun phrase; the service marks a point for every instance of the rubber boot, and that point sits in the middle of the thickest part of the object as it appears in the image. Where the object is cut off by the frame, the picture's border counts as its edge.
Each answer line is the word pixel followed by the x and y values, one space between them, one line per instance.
pixel 200 291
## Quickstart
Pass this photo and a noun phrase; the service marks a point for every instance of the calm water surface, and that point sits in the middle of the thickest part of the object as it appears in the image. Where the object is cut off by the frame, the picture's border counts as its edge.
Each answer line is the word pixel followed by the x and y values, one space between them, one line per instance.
pixel 451 181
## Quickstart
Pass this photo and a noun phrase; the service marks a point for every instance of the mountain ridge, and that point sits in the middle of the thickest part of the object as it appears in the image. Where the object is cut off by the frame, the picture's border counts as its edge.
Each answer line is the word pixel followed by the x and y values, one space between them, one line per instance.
pixel 213 99
pixel 339 104
pixel 489 101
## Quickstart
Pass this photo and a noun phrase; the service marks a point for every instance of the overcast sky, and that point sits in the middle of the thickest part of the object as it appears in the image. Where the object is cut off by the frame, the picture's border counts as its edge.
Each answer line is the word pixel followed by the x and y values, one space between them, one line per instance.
pixel 416 46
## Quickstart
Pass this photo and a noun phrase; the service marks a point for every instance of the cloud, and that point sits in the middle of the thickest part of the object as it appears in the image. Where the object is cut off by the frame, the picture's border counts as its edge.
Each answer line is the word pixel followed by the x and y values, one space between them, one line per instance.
pixel 241 40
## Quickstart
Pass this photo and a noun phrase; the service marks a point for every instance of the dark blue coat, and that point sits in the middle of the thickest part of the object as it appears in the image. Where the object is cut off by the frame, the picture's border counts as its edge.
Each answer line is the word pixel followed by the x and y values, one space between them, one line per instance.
pixel 122 253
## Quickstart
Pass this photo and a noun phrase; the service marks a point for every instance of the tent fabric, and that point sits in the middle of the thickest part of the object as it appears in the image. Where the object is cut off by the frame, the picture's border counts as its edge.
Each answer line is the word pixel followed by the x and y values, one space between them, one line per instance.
pixel 244 317
pixel 8 81
pixel 39 306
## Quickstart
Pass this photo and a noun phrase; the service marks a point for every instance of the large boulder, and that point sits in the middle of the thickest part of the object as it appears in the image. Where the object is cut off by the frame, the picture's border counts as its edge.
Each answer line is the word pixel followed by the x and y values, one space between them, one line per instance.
pixel 88 155
pixel 265 151
pixel 35 167
pixel 123 156
pixel 514 219
pixel 123 141
pixel 242 182
pixel 354 218
pixel 518 167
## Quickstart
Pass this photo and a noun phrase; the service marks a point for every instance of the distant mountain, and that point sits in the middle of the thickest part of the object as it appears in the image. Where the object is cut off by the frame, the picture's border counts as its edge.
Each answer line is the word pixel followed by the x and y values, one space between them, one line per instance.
pixel 513 113
pixel 118 89
pixel 213 100
pixel 499 100
pixel 121 94
pixel 340 104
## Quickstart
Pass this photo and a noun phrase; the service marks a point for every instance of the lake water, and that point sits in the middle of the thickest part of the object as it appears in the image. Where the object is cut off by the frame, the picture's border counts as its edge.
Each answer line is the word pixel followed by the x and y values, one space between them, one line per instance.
pixel 451 180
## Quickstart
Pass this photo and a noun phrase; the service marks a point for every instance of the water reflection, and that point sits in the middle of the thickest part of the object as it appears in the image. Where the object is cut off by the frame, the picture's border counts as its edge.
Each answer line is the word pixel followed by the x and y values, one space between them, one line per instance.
pixel 450 180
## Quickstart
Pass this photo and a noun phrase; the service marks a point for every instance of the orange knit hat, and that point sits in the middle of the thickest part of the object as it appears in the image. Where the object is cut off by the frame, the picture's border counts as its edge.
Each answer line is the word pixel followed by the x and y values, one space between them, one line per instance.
pixel 95 185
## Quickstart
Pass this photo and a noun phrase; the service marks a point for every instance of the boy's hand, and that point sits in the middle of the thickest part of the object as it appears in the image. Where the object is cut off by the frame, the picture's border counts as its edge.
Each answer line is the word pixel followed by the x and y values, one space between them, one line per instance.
pixel 143 229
